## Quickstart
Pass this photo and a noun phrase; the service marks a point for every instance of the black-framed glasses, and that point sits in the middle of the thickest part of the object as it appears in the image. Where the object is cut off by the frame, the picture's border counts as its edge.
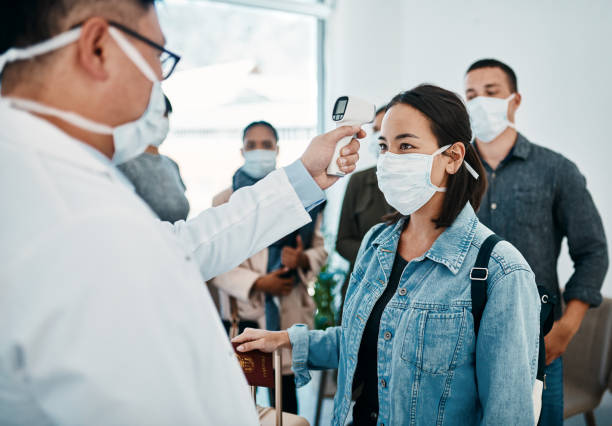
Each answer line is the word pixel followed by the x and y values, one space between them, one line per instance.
pixel 168 59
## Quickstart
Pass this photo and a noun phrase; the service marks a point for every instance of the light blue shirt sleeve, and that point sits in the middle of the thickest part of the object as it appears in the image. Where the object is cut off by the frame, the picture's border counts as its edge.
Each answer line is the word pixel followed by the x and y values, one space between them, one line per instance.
pixel 313 350
pixel 304 185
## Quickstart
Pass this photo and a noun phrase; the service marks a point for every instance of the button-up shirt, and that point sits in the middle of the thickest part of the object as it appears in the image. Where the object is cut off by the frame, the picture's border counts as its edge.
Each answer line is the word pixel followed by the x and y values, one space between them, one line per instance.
pixel 536 197
pixel 104 317
pixel 431 368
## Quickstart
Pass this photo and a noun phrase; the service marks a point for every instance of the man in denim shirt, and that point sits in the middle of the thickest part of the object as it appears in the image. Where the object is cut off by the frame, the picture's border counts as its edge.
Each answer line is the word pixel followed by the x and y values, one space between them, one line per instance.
pixel 536 197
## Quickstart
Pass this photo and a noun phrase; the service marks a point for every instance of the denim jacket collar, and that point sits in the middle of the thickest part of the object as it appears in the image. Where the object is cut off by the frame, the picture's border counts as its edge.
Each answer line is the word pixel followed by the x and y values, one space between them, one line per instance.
pixel 449 249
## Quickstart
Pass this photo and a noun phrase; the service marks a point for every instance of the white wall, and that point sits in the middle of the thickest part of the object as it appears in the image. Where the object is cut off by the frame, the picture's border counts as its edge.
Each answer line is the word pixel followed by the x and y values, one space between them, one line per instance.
pixel 361 45
pixel 561 52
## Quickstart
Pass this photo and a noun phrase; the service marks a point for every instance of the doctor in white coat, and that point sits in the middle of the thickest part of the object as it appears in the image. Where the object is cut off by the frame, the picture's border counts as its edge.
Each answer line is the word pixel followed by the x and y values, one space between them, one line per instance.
pixel 104 318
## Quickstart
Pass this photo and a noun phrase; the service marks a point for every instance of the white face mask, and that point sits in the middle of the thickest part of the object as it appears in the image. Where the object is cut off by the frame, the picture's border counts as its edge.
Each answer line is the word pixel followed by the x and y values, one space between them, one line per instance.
pixel 130 139
pixel 259 162
pixel 489 117
pixel 405 179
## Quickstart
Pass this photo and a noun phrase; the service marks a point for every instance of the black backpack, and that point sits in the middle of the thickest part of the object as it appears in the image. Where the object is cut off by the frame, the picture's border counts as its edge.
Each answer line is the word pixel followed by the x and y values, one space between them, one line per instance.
pixel 479 276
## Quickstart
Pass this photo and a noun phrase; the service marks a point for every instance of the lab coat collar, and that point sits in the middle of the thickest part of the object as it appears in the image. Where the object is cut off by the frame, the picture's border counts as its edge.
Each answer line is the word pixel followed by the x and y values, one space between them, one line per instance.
pixel 39 135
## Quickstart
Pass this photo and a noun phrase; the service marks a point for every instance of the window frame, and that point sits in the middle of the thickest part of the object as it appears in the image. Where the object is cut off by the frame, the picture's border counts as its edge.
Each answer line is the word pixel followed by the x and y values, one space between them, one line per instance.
pixel 320 9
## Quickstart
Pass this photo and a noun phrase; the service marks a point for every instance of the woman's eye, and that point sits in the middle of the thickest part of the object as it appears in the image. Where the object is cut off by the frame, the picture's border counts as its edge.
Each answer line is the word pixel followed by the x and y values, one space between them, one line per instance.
pixel 383 147
pixel 405 146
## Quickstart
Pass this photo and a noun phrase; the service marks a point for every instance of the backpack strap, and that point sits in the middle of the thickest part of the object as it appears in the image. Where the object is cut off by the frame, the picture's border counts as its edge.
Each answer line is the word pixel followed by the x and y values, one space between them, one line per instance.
pixel 547 318
pixel 479 276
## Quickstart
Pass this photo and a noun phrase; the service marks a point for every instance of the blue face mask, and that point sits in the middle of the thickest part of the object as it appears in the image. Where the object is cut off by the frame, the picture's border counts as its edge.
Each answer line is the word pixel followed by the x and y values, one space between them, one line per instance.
pixel 259 162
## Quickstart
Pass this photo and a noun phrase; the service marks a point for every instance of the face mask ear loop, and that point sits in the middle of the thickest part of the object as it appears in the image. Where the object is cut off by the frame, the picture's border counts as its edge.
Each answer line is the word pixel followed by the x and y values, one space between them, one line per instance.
pixel 508 122
pixel 470 169
pixel 54 43
pixel 441 150
pixel 67 116
pixel 436 153
pixel 133 53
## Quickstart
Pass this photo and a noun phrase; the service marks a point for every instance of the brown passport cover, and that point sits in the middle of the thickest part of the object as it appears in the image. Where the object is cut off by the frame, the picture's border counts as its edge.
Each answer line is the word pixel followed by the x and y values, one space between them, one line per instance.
pixel 257 367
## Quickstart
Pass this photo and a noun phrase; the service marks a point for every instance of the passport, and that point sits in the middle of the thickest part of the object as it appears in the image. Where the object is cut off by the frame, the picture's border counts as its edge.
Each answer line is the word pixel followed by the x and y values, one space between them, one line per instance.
pixel 257 367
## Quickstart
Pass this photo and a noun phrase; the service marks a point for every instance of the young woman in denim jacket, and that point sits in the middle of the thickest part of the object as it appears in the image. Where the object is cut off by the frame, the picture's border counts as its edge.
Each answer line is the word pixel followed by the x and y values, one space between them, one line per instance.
pixel 406 349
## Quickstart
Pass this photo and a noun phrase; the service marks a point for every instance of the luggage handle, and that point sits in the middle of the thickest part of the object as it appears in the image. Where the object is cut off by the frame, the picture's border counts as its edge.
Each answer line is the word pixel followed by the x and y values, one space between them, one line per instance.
pixel 278 387
pixel 276 362
pixel 233 332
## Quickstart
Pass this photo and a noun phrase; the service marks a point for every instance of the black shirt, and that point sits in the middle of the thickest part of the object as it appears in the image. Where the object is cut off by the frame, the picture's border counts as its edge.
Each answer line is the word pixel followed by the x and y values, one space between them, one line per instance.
pixel 365 411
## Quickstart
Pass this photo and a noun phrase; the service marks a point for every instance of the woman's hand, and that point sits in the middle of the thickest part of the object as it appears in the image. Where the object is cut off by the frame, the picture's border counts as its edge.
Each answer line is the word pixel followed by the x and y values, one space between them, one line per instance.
pixel 264 340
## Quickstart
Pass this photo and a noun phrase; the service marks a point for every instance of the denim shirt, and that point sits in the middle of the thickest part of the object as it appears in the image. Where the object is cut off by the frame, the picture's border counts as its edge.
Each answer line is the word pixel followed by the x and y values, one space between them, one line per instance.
pixel 536 198
pixel 431 368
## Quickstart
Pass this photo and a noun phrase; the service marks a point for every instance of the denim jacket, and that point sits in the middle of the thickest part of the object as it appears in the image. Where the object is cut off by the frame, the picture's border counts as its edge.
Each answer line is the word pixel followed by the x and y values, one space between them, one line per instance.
pixel 431 368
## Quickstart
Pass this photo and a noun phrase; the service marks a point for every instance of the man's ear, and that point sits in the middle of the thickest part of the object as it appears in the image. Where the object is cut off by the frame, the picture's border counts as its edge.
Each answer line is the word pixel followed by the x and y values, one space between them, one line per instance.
pixel 456 154
pixel 242 151
pixel 513 105
pixel 93 45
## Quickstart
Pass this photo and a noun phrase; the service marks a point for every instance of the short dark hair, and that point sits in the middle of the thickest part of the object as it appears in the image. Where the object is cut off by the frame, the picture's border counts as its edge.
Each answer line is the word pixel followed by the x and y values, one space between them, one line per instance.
pixel 450 123
pixel 260 123
pixel 168 105
pixel 494 63
pixel 26 22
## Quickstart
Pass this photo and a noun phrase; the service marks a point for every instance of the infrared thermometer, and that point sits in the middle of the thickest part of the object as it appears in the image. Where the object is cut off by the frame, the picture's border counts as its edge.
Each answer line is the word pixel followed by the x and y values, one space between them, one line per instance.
pixel 348 111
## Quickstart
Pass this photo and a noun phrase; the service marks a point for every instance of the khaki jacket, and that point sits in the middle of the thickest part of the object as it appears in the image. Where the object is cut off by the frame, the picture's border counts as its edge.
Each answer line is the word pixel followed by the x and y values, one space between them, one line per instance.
pixel 297 307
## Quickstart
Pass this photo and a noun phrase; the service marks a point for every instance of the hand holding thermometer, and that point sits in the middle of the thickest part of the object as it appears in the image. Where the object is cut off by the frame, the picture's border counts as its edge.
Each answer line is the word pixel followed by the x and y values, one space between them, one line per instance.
pixel 348 111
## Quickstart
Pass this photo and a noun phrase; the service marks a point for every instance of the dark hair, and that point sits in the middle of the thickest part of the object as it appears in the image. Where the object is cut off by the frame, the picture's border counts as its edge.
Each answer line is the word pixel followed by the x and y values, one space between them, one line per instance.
pixel 494 63
pixel 26 22
pixel 450 123
pixel 260 123
pixel 168 105
pixel 381 109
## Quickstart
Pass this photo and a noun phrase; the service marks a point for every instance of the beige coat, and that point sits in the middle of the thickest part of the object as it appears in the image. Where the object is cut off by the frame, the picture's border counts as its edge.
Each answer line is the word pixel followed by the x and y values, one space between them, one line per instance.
pixel 296 308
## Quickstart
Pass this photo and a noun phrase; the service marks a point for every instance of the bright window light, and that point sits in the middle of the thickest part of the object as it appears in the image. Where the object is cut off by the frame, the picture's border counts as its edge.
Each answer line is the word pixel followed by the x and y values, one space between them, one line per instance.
pixel 239 64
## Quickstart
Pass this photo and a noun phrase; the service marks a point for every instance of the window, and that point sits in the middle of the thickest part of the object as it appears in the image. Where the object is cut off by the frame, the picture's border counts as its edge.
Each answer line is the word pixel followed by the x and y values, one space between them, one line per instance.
pixel 239 64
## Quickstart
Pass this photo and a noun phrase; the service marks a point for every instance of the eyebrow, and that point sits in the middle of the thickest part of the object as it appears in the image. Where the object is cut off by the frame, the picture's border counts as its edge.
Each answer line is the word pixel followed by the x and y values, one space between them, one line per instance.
pixel 402 136
pixel 262 141
pixel 406 135
pixel 491 85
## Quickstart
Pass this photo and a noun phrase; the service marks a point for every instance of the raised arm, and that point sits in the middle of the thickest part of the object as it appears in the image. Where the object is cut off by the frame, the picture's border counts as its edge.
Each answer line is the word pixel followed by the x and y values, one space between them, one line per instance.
pixel 221 238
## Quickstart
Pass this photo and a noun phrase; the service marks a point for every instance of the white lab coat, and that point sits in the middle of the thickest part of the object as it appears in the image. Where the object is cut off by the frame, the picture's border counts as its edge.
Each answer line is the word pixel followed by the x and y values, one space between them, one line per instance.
pixel 104 317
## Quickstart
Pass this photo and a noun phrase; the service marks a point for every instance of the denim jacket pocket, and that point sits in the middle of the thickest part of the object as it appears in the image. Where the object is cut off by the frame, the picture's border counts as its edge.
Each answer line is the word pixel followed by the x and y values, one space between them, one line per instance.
pixel 434 339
